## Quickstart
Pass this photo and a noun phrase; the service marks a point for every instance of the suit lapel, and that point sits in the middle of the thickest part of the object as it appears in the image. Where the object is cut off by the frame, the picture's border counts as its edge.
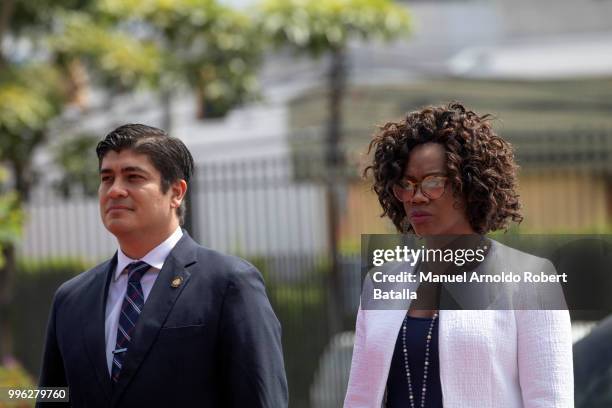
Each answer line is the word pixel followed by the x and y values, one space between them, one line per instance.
pixel 156 309
pixel 93 314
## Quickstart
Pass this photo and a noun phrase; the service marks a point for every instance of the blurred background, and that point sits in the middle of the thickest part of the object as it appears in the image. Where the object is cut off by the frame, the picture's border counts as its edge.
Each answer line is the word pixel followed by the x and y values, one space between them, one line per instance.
pixel 277 100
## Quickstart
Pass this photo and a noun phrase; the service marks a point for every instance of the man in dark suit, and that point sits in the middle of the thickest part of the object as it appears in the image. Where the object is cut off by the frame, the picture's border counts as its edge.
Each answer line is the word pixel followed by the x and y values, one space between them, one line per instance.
pixel 165 322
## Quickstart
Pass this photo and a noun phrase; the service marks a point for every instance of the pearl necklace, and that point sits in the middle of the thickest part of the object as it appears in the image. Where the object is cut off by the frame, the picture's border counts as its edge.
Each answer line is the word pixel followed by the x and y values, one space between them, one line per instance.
pixel 425 368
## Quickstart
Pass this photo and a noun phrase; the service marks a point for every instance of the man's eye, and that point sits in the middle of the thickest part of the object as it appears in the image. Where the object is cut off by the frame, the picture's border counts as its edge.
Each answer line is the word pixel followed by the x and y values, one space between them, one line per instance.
pixel 105 179
pixel 134 177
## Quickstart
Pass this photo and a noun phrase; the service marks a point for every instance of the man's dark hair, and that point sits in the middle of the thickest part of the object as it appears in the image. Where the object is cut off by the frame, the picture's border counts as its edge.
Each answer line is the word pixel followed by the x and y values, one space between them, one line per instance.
pixel 168 154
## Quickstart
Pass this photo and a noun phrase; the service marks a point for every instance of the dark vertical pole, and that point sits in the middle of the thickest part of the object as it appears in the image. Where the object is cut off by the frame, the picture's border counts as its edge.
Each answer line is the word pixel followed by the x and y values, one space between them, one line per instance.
pixel 166 106
pixel 7 273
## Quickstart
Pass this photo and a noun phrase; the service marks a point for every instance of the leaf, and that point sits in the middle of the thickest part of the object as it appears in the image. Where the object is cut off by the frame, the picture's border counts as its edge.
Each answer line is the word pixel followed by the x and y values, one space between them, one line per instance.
pixel 319 26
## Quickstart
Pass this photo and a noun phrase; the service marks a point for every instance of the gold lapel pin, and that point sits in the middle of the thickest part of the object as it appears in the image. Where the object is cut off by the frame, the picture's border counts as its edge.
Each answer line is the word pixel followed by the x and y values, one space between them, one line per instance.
pixel 176 282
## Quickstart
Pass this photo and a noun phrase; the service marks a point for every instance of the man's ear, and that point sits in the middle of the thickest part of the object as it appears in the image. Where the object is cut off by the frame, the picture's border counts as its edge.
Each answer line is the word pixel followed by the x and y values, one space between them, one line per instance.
pixel 178 189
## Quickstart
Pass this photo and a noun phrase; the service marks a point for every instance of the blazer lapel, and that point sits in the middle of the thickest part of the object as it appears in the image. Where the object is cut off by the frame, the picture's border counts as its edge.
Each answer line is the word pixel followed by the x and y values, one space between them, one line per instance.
pixel 92 317
pixel 474 295
pixel 156 309
pixel 383 322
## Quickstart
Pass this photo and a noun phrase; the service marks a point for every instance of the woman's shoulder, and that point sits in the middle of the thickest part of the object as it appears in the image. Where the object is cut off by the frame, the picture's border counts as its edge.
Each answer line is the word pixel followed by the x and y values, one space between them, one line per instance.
pixel 515 256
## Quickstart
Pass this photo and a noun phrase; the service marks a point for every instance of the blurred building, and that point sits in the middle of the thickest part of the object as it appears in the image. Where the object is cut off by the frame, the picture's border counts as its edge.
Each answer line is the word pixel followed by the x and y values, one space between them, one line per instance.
pixel 543 68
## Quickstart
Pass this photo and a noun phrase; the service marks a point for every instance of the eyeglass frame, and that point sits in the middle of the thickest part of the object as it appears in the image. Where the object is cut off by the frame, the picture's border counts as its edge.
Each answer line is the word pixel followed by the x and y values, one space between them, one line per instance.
pixel 418 186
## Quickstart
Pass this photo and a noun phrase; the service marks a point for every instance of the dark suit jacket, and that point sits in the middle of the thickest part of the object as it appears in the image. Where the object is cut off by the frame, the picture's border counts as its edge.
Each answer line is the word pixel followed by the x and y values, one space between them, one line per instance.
pixel 214 341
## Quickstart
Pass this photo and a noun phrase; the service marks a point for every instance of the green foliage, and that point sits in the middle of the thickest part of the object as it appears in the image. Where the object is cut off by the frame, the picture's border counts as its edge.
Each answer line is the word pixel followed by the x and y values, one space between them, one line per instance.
pixel 65 267
pixel 34 18
pixel 213 48
pixel 28 311
pixel 224 71
pixel 301 306
pixel 14 376
pixel 116 56
pixel 76 156
pixel 318 26
pixel 30 96
pixel 175 17
pixel 11 216
pixel 290 296
pixel 32 87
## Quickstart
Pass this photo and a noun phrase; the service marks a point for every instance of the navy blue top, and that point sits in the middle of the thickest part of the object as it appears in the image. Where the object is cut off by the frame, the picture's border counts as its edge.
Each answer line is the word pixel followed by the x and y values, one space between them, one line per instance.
pixel 397 385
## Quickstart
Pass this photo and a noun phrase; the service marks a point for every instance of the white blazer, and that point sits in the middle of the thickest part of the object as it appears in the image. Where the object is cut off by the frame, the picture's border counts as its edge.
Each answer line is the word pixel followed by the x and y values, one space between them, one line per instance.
pixel 488 358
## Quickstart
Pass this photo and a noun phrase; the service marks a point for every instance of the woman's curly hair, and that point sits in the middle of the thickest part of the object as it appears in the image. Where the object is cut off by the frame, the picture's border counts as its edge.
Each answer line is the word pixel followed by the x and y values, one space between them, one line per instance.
pixel 480 164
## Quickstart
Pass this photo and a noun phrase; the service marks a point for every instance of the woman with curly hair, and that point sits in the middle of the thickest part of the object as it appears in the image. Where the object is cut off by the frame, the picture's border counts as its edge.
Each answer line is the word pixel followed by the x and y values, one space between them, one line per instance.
pixel 442 171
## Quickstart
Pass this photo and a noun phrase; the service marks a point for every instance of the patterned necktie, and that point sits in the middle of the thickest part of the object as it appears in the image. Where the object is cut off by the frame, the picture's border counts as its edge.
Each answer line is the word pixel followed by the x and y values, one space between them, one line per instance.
pixel 130 310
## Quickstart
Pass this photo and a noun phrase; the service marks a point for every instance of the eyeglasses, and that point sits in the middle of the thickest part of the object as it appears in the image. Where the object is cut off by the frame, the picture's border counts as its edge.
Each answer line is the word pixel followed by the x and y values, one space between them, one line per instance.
pixel 432 187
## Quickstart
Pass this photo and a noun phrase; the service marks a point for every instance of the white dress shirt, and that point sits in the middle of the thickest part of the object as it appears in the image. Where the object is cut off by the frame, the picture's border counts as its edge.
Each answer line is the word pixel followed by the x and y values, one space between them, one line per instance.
pixel 118 287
